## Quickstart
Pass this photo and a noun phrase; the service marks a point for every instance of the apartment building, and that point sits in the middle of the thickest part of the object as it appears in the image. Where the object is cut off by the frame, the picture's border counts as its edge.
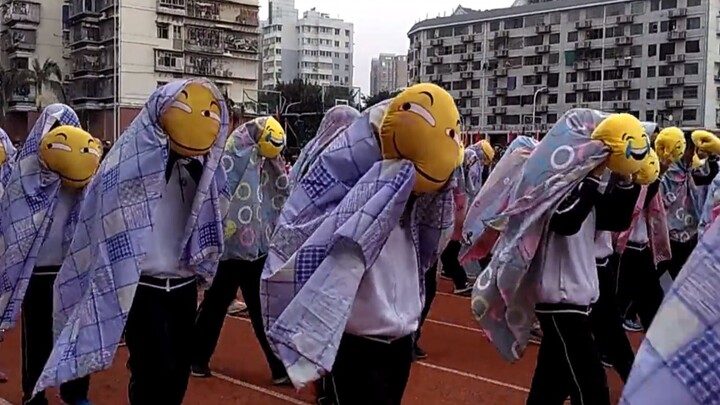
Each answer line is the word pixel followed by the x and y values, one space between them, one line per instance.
pixel 316 47
pixel 517 69
pixel 388 72
pixel 29 30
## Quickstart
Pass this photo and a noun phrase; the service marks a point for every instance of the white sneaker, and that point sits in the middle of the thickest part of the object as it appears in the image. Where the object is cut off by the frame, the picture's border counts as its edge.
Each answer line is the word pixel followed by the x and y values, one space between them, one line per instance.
pixel 237 309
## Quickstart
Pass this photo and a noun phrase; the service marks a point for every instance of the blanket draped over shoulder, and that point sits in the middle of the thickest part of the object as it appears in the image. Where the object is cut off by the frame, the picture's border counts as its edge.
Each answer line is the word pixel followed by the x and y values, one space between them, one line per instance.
pixel 348 203
pixel 97 282
pixel 504 295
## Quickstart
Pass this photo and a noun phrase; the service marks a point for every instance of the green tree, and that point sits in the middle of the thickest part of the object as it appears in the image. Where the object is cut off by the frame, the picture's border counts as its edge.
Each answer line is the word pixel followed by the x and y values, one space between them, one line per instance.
pixel 11 80
pixel 48 75
pixel 369 101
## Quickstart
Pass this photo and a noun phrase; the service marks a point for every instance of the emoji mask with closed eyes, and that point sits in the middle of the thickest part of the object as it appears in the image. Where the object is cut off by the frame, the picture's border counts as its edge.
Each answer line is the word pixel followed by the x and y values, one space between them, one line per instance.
pixel 670 144
pixel 650 169
pixel 422 125
pixel 272 139
pixel 706 142
pixel 628 143
pixel 192 121
pixel 71 153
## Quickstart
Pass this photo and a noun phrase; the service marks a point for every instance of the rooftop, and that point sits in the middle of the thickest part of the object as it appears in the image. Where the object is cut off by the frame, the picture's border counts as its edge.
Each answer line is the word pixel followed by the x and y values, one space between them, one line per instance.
pixel 471 17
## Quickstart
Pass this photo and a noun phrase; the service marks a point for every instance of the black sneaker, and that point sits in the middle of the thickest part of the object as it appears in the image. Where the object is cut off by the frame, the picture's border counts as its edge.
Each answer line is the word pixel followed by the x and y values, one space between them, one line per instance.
pixel 536 335
pixel 464 291
pixel 419 354
pixel 281 380
pixel 200 371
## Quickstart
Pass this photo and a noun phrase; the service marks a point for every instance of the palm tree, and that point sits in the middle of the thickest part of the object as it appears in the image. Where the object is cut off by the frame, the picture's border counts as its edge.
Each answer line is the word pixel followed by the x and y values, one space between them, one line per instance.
pixel 10 81
pixel 48 74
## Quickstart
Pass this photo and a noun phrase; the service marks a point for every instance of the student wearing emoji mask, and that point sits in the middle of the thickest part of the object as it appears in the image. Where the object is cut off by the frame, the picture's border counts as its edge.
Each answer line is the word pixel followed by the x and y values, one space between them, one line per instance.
pixel 43 196
pixel 343 284
pixel 150 225
pixel 255 170
pixel 682 195
pixel 544 258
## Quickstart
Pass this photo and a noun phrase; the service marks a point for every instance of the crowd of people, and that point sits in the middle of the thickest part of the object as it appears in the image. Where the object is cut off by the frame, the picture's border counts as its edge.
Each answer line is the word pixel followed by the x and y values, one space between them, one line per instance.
pixel 561 240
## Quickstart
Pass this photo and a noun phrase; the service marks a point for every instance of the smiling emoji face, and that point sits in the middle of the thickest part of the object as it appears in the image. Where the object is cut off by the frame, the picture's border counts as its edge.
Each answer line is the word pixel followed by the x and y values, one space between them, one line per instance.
pixel 3 154
pixel 488 152
pixel 650 169
pixel 422 125
pixel 71 153
pixel 628 143
pixel 272 139
pixel 192 121
pixel 670 144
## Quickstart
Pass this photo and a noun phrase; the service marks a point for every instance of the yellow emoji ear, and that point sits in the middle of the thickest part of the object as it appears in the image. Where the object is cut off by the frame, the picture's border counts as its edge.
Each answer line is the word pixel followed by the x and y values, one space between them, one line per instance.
pixel 650 169
pixel 706 142
pixel 670 144
pixel 625 137
pixel 697 162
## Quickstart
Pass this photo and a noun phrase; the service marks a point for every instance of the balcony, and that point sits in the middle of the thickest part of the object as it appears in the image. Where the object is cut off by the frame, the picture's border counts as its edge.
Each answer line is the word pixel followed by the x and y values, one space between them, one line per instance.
pixel 543 29
pixel 83 10
pixel 625 62
pixel 541 109
pixel 91 63
pixel 466 94
pixel 467 57
pixel 501 91
pixel 22 99
pixel 674 103
pixel 435 78
pixel 583 45
pixel 621 84
pixel 169 61
pixel 468 38
pixel 625 19
pixel 14 40
pixel 466 75
pixel 677 13
pixel 542 49
pixel 203 39
pixel 499 110
pixel 581 86
pixel 621 105
pixel 676 35
pixel 675 58
pixel 623 41
pixel 541 69
pixel 84 35
pixel 203 10
pixel 583 25
pixel 582 65
pixel 501 53
pixel 20 12
pixel 501 72
pixel 174 7
pixel 436 60
pixel 437 42
pixel 674 81
pixel 466 111
pixel 91 94
pixel 210 66
pixel 417 45
pixel 502 34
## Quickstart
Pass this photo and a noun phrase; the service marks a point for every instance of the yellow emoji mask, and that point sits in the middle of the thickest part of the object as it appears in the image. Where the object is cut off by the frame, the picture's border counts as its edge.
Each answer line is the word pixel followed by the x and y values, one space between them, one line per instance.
pixel 71 153
pixel 192 121
pixel 628 143
pixel 422 125
pixel 272 139
pixel 670 144
pixel 706 142
pixel 3 154
pixel 488 151
pixel 697 162
pixel 650 169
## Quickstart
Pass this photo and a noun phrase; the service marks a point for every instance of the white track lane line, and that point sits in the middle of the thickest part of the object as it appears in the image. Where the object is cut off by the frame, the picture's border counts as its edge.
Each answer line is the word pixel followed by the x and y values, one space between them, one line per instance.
pixel 441 368
pixel 257 388
pixel 4 402
pixel 474 377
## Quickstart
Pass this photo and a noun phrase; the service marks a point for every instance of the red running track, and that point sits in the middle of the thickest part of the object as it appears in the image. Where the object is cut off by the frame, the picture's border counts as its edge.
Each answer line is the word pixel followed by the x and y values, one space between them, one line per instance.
pixel 462 368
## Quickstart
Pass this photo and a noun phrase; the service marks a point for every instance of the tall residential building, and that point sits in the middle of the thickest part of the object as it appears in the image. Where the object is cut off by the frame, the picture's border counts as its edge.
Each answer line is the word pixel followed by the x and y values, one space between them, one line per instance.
pixel 388 72
pixel 517 69
pixel 29 30
pixel 115 53
pixel 315 47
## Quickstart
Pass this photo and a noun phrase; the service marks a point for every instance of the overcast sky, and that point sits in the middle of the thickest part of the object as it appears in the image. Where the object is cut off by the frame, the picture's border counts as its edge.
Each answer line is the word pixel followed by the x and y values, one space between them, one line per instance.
pixel 382 25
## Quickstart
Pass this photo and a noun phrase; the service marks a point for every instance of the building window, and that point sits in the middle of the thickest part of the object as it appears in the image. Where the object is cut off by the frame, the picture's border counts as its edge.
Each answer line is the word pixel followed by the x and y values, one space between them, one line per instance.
pixel 691 69
pixel 634 73
pixel 655 5
pixel 572 36
pixel 665 93
pixel 553 59
pixel 692 46
pixel 552 98
pixel 555 38
pixel 163 31
pixel 689 114
pixel 551 118
pixel 633 94
pixel 650 116
pixel 668 4
pixel 637 8
pixel 571 77
pixel 653 28
pixel 570 97
pixel 693 23
pixel 650 94
pixel 595 12
pixel 495 26
pixel 652 50
pixel 693 3
pixel 666 71
pixel 636 29
pixel 573 16
pixel 690 92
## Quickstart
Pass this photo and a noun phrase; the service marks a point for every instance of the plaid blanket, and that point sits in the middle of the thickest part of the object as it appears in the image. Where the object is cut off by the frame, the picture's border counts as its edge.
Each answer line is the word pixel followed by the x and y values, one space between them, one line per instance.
pixel 31 194
pixel 348 202
pixel 679 360
pixel 259 189
pixel 711 205
pixel 336 120
pixel 97 282
pixel 6 167
pixel 480 230
pixel 657 227
pixel 504 296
